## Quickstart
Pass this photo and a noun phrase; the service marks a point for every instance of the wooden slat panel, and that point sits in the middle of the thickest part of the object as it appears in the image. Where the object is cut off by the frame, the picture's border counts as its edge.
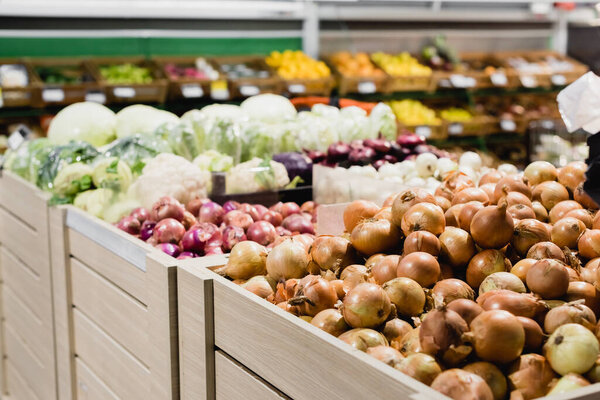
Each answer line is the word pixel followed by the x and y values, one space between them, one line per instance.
pixel 21 279
pixel 234 382
pixel 120 315
pixel 108 264
pixel 89 386
pixel 23 199
pixel 300 353
pixel 29 367
pixel 124 374
pixel 19 389
pixel 30 246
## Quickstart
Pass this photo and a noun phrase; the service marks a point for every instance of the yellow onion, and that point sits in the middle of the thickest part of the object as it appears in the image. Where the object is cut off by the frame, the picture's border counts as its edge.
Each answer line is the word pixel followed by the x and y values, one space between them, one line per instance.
pixel 471 194
pixel 527 233
pixel 589 244
pixel 550 194
pixel 462 385
pixel 313 295
pixel 330 321
pixel 585 216
pixel 502 280
pixel 467 309
pixel 366 306
pixel 531 375
pixel 385 269
pixel 570 313
pixel 358 211
pixel 287 260
pixel 385 354
pixel 395 329
pixel 561 209
pixel 521 268
pixel 484 264
pixel 580 196
pixel 540 171
pixel 407 295
pixel 499 219
pixel 533 334
pixel 420 366
pixel 422 241
pixel 332 252
pixel 457 246
pixel 375 236
pixel 410 342
pixel 541 214
pixel 568 383
pixel 447 290
pixel 548 278
pixel 247 259
pixel 441 334
pixel 572 348
pixel 260 285
pixel 362 339
pixel 420 266
pixel 491 375
pixel 497 336
pixel 566 232
pixel 406 200
pixel 423 217
pixel 572 174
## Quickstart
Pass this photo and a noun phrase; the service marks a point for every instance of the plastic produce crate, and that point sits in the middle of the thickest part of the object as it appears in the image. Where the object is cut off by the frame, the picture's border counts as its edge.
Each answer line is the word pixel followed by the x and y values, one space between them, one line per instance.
pixel 152 92
pixel 48 94
pixel 114 311
pixel 27 366
pixel 241 87
pixel 17 96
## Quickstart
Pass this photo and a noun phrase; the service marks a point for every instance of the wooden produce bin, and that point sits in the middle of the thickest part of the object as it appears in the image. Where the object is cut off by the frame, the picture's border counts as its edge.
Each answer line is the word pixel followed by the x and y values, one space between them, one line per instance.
pixel 48 94
pixel 115 311
pixel 185 87
pixel 27 365
pixel 152 92
pixel 479 125
pixel 17 96
pixel 249 86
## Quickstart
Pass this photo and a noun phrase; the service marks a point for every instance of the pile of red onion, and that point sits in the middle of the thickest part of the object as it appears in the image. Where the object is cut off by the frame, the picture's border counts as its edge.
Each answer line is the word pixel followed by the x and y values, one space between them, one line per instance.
pixel 204 227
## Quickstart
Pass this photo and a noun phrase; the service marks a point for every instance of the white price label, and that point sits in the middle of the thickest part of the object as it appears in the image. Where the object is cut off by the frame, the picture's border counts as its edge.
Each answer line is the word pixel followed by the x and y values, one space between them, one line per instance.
pixel 498 79
pixel 547 124
pixel 95 97
pixel 461 81
pixel 15 140
pixel 219 94
pixel 508 125
pixel 558 80
pixel 444 83
pixel 53 95
pixel 455 128
pixel 366 87
pixel 528 81
pixel 297 88
pixel 192 90
pixel 424 131
pixel 249 90
pixel 125 92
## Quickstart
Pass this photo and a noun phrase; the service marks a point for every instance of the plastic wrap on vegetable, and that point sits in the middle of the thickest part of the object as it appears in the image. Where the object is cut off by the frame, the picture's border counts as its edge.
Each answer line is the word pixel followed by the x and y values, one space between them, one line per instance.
pixel 383 122
pixel 87 121
pixel 136 150
pixel 59 158
pixel 181 138
pixel 112 173
pixel 256 175
pixel 213 161
pixel 72 179
pixel 298 166
pixel 27 158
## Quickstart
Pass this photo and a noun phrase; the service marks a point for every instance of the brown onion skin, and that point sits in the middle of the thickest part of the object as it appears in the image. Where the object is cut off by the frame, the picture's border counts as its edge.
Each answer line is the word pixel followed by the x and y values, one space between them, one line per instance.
pixel 406 200
pixel 527 233
pixel 448 290
pixel 570 313
pixel 362 339
pixel 499 219
pixel 313 295
pixel 540 171
pixel 471 194
pixel 521 211
pixel 357 211
pixel 375 236
pixel 532 375
pixel 456 181
pixel 572 174
pixel 462 385
pixel 521 268
pixel 467 213
pixel 457 246
pixel 421 267
pixel 534 335
pixel 410 343
pixel 519 304
pixel 497 336
pixel 451 215
pixel 467 309
pixel 366 306
pixel 580 290
pixel 541 214
pixel 395 329
pixel 566 232
pixel 385 269
pixel 422 241
pixel 548 278
pixel 542 250
pixel 385 354
pixel 373 259
pixel 596 221
pixel 338 285
pixel 330 321
pixel 589 244
pixel 488 188
pixel 511 184
pixel 423 217
pixel 442 191
pixel 584 216
pixel 332 252
pixel 443 202
pixel 421 367
pixel 407 295
pixel 491 375
pixel 389 200
pixel 561 209
pixel 484 264
pixel 492 176
pixel 588 273
pixel 516 198
pixel 441 329
pixel 550 194
pixel 384 213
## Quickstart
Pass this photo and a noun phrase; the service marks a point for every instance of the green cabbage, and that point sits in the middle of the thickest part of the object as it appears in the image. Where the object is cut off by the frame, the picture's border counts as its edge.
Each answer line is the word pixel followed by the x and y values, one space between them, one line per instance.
pixel 136 149
pixel 269 108
pixel 87 121
pixel 112 173
pixel 142 119
pixel 72 179
pixel 59 158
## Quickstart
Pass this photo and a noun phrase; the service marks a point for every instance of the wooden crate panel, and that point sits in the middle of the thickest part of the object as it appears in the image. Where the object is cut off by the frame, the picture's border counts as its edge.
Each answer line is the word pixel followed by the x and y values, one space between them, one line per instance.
pixel 89 386
pixel 24 241
pixel 234 382
pixel 25 283
pixel 28 365
pixel 24 200
pixel 120 315
pixel 127 377
pixel 19 389
pixel 108 264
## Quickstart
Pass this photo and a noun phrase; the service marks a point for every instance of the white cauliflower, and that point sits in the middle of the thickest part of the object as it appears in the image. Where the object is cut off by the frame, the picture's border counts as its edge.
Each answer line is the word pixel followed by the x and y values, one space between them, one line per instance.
pixel 256 175
pixel 170 175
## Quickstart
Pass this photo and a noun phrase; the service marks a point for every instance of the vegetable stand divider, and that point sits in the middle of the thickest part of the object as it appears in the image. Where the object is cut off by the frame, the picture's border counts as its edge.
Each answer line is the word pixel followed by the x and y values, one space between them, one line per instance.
pixel 115 311
pixel 294 357
pixel 27 367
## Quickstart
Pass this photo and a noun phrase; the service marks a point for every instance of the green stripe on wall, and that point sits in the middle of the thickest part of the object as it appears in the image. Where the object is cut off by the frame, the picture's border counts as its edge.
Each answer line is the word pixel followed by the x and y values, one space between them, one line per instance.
pixel 64 47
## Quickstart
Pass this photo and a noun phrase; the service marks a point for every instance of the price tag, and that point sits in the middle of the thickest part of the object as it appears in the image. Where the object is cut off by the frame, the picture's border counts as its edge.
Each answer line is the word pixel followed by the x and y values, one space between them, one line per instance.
pixel 498 79
pixel 18 137
pixel 1 99
pixel 125 92
pixel 528 81
pixel 95 97
pixel 53 95
pixel 219 90
pixel 455 128
pixel 444 83
pixel 191 90
pixel 461 81
pixel 424 131
pixel 249 90
pixel 547 124
pixel 366 87
pixel 508 125
pixel 558 80
pixel 297 88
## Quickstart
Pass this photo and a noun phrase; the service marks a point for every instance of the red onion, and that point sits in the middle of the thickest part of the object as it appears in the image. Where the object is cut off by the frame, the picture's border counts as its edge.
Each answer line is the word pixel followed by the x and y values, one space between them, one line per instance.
pixel 169 248
pixel 338 152
pixel 230 206
pixel 273 217
pixel 232 235
pixel 238 218
pixel 250 210
pixel 147 230
pixel 184 255
pixel 166 207
pixel 261 232
pixel 281 231
pixel 213 249
pixel 211 212
pixel 260 209
pixel 410 140
pixel 129 224
pixel 200 236
pixel 297 223
pixel 289 208
pixel 168 230
pixel 141 214
pixel 194 205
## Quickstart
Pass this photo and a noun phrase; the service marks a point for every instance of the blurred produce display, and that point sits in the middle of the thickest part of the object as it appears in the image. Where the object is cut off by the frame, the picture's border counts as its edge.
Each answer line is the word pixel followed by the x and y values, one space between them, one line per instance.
pixel 454 114
pixel 127 73
pixel 13 76
pixel 413 112
pixel 63 75
pixel 201 69
pixel 356 65
pixel 297 65
pixel 440 56
pixel 402 64
pixel 244 70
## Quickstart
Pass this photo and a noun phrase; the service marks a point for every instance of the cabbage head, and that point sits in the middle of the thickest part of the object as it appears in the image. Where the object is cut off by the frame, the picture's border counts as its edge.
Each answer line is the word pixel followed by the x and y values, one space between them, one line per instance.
pixel 87 121
pixel 142 119
pixel 112 173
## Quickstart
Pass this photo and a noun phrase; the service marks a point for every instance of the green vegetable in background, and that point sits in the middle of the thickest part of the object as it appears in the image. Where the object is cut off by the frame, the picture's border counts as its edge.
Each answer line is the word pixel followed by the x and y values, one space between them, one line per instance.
pixel 59 158
pixel 126 74
pixel 112 173
pixel 134 150
pixel 62 75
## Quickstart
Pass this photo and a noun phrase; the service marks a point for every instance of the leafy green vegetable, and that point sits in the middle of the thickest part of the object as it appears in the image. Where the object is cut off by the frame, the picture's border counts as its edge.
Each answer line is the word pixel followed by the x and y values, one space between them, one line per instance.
pixel 134 150
pixel 112 168
pixel 72 179
pixel 59 158
pixel 26 159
